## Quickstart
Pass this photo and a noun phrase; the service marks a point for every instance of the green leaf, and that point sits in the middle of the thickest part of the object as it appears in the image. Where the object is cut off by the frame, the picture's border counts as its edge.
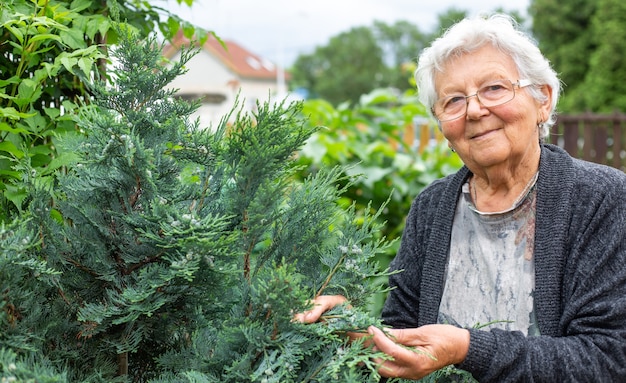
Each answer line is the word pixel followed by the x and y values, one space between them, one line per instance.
pixel 45 36
pixel 11 113
pixel 16 195
pixel 85 64
pixel 4 127
pixel 28 92
pixel 68 62
pixel 79 5
pixel 35 122
pixel 9 147
pixel 188 30
pixel 172 25
pixel 9 81
pixel 69 106
pixel 15 32
pixel 64 159
pixel 50 69
pixel 73 38
pixel 53 113
pixel 9 174
pixel 56 215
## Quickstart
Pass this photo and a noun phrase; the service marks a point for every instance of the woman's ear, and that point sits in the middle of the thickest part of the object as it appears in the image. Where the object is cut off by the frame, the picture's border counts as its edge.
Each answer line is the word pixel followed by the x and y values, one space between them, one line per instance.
pixel 547 92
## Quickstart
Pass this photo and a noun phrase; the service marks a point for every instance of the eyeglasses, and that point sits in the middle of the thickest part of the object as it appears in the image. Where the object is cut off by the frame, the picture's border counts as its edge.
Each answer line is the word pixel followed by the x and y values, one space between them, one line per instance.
pixel 492 94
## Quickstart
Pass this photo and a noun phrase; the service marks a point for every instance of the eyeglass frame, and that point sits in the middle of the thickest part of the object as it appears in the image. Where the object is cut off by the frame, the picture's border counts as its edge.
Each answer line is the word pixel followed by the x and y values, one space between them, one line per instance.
pixel 521 83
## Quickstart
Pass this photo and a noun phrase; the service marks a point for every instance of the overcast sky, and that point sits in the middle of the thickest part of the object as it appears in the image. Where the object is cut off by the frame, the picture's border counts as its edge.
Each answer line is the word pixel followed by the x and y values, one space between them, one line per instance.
pixel 280 30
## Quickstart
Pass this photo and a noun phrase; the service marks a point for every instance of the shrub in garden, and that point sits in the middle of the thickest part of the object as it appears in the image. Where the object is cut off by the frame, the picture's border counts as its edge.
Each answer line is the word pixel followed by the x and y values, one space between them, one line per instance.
pixel 174 253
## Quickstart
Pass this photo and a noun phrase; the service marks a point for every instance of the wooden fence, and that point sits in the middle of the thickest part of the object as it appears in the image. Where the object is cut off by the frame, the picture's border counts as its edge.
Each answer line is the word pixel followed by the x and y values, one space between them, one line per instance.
pixel 598 138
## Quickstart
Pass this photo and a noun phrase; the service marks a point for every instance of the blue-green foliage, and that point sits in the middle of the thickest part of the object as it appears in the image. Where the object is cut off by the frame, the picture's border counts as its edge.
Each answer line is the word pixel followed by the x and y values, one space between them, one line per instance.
pixel 178 254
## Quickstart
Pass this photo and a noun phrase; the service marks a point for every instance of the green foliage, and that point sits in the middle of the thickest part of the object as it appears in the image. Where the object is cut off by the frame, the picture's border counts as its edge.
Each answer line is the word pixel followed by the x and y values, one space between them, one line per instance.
pixel 42 53
pixel 584 42
pixel 373 141
pixel 26 282
pixel 47 50
pixel 562 29
pixel 377 139
pixel 604 86
pixel 351 64
pixel 178 254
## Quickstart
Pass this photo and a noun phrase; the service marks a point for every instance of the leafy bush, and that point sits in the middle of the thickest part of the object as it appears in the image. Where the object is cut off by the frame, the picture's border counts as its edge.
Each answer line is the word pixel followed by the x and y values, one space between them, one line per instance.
pixel 389 144
pixel 48 50
pixel 378 139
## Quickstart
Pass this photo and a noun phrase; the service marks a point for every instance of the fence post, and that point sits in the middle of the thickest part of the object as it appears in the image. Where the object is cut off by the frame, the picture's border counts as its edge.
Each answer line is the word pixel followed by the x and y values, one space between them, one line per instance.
pixel 593 137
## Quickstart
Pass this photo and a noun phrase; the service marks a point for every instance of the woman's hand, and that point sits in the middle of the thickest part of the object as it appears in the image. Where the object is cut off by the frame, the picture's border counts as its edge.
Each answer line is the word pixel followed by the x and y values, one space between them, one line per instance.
pixel 417 352
pixel 321 304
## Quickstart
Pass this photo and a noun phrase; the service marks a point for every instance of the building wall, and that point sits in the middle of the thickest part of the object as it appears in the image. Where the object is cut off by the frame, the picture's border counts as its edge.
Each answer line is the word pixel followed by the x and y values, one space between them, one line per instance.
pixel 219 86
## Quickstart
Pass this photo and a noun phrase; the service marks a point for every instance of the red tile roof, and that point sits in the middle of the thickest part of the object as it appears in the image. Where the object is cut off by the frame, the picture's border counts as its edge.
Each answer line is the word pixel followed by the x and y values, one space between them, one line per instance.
pixel 238 59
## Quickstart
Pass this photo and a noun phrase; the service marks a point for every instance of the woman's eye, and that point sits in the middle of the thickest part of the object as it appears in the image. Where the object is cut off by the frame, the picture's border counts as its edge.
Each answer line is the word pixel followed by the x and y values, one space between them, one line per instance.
pixel 454 100
pixel 494 88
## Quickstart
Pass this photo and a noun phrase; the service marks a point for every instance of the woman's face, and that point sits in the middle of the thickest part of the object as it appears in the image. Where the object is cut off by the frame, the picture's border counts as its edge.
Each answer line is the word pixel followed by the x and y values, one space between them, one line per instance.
pixel 506 134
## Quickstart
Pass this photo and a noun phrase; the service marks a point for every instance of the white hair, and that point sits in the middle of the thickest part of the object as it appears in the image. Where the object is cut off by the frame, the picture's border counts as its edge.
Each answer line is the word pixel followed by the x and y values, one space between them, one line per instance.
pixel 503 33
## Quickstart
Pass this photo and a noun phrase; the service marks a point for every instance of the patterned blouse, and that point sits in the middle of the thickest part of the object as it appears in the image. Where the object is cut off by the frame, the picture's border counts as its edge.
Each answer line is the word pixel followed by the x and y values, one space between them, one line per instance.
pixel 490 278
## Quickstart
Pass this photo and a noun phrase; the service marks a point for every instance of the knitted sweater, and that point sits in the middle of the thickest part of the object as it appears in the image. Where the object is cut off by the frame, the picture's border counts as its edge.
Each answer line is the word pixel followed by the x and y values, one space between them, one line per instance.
pixel 580 277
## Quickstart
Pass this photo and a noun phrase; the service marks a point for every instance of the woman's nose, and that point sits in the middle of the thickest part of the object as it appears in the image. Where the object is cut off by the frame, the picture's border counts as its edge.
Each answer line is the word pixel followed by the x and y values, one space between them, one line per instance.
pixel 474 106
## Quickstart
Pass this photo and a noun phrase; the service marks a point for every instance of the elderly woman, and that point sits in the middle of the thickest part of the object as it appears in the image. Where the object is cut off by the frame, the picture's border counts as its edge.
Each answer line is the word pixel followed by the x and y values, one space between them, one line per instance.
pixel 514 268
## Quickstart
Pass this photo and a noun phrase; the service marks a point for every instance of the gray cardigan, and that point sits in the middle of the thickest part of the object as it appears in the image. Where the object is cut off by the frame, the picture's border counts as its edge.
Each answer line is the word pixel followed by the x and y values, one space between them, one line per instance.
pixel 580 280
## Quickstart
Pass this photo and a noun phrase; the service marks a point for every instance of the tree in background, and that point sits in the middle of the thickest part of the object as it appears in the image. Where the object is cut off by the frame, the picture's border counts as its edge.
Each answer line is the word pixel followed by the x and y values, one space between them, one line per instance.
pixel 604 86
pixel 350 65
pixel 446 20
pixel 585 41
pixel 356 62
pixel 562 29
pixel 400 42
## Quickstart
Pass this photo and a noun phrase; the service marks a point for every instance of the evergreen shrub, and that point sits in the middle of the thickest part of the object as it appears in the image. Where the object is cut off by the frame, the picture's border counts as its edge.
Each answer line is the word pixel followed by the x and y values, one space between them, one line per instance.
pixel 175 253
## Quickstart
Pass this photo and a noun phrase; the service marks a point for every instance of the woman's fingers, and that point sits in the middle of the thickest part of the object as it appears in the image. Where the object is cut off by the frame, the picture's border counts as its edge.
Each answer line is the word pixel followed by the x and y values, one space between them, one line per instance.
pixel 419 351
pixel 321 304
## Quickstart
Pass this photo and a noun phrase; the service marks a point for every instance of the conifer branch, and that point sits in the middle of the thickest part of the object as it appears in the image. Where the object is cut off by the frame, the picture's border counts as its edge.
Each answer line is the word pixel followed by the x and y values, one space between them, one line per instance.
pixel 141 263
pixel 82 267
pixel 331 274
pixel 136 194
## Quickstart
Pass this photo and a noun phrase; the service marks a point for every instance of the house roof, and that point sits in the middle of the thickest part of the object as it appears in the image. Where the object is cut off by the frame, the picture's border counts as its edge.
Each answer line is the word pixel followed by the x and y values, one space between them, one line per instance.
pixel 238 59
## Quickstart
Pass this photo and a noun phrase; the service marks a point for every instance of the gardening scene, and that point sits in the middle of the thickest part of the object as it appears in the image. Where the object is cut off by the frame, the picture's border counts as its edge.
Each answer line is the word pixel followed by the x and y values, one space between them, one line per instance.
pixel 400 203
